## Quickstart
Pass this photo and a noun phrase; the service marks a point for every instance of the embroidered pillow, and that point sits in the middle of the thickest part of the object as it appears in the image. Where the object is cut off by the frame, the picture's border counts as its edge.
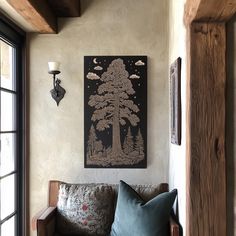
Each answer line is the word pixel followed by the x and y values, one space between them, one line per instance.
pixel 134 216
pixel 85 209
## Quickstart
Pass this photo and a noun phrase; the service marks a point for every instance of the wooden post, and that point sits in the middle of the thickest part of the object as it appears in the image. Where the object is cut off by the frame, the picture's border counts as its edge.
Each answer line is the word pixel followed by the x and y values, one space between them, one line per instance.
pixel 206 78
pixel 206 181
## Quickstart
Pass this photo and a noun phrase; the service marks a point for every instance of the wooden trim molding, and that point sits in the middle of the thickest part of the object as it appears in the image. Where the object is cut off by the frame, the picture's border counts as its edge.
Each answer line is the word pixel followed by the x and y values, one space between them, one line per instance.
pixel 37 13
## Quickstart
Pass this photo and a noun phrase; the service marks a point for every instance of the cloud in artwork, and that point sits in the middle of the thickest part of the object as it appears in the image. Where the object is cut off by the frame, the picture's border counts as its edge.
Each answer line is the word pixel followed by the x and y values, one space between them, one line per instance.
pixel 134 76
pixel 139 63
pixel 92 76
pixel 98 68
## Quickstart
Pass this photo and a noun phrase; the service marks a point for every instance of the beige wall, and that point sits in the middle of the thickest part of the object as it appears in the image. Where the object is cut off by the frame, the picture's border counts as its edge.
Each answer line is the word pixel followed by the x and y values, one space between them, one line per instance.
pixel 106 27
pixel 177 162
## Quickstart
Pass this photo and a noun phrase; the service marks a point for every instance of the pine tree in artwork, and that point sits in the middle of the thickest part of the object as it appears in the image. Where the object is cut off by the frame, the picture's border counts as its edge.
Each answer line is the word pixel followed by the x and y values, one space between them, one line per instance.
pixel 104 152
pixel 128 145
pixel 139 143
pixel 98 147
pixel 113 106
pixel 91 141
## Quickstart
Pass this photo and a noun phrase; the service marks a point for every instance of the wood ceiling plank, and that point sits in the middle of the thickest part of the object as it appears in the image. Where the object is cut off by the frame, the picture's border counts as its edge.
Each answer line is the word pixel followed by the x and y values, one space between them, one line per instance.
pixel 209 10
pixel 65 8
pixel 37 13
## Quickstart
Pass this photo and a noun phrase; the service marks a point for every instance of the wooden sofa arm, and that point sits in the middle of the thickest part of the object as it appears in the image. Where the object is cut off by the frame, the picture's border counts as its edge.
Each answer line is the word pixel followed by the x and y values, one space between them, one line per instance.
pixel 174 227
pixel 44 222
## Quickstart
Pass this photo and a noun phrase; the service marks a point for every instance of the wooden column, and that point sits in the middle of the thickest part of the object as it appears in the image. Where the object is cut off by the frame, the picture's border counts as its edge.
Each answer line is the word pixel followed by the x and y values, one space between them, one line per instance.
pixel 206 180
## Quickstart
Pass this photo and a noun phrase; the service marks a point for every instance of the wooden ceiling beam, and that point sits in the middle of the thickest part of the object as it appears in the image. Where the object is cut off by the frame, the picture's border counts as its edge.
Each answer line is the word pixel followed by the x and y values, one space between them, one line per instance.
pixel 65 8
pixel 209 10
pixel 37 13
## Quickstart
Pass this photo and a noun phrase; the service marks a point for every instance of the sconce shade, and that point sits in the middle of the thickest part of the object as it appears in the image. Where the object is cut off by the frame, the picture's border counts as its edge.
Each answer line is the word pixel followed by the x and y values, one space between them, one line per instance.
pixel 53 66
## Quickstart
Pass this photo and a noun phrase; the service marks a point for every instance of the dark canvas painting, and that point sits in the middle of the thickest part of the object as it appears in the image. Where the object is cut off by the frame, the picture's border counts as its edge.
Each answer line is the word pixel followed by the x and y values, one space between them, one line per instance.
pixel 115 111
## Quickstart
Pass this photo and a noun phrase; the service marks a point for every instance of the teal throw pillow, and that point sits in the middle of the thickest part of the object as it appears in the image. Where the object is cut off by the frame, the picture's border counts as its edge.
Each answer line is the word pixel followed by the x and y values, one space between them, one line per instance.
pixel 135 217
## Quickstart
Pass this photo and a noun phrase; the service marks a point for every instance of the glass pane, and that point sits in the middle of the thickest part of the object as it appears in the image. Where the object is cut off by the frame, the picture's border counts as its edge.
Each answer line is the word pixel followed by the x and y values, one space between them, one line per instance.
pixel 7 196
pixel 7 79
pixel 8 227
pixel 7 153
pixel 7 111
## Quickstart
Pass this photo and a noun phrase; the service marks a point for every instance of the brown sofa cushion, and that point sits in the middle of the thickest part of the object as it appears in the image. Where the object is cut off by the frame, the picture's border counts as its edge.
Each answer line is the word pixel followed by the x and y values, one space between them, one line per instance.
pixel 146 191
pixel 85 209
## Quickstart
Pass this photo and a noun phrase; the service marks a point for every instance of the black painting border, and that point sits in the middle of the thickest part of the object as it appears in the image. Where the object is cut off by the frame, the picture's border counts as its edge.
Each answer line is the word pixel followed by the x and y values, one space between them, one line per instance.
pixel 142 164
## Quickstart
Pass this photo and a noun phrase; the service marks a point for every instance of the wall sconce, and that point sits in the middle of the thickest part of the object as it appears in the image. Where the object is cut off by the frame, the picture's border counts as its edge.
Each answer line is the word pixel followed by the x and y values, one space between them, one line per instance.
pixel 57 92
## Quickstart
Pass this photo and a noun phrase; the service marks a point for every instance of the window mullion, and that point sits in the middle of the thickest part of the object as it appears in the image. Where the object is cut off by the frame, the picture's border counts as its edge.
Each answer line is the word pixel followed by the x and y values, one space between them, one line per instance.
pixel 8 90
pixel 8 217
pixel 11 173
pixel 8 132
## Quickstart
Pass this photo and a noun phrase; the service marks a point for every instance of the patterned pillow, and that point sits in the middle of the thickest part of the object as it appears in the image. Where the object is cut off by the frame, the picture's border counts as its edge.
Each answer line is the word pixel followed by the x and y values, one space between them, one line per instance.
pixel 85 209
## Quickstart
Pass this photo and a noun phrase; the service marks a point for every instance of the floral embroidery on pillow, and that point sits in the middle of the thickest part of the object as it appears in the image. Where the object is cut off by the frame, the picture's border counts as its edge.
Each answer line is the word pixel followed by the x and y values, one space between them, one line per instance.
pixel 85 209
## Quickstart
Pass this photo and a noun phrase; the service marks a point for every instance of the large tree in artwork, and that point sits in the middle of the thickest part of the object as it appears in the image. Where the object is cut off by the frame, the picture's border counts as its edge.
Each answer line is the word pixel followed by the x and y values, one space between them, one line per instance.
pixel 113 106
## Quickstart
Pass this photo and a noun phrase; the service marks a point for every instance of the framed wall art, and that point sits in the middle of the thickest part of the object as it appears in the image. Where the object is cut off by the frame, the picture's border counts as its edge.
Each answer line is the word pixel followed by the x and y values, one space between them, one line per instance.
pixel 115 111
pixel 175 101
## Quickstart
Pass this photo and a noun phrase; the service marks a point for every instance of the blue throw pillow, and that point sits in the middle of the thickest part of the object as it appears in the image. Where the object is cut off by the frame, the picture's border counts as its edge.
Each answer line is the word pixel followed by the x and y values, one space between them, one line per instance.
pixel 134 217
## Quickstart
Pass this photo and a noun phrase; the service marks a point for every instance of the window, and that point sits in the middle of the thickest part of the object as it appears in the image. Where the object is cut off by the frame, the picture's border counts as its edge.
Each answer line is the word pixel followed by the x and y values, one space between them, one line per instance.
pixel 11 132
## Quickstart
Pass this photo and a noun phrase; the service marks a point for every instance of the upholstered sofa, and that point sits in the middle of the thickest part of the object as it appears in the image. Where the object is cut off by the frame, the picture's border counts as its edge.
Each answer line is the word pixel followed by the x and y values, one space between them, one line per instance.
pixel 61 218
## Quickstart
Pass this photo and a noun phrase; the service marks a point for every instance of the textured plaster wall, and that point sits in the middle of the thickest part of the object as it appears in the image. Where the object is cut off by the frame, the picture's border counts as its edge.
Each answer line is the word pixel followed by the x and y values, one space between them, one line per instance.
pixel 106 27
pixel 177 162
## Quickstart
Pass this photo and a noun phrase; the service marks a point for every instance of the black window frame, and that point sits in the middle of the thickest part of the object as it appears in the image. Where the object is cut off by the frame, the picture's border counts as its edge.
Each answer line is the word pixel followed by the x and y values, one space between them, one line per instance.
pixel 16 37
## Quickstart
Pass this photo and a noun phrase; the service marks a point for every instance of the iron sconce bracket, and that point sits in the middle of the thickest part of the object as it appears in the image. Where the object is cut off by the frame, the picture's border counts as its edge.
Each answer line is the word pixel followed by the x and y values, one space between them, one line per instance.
pixel 57 92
